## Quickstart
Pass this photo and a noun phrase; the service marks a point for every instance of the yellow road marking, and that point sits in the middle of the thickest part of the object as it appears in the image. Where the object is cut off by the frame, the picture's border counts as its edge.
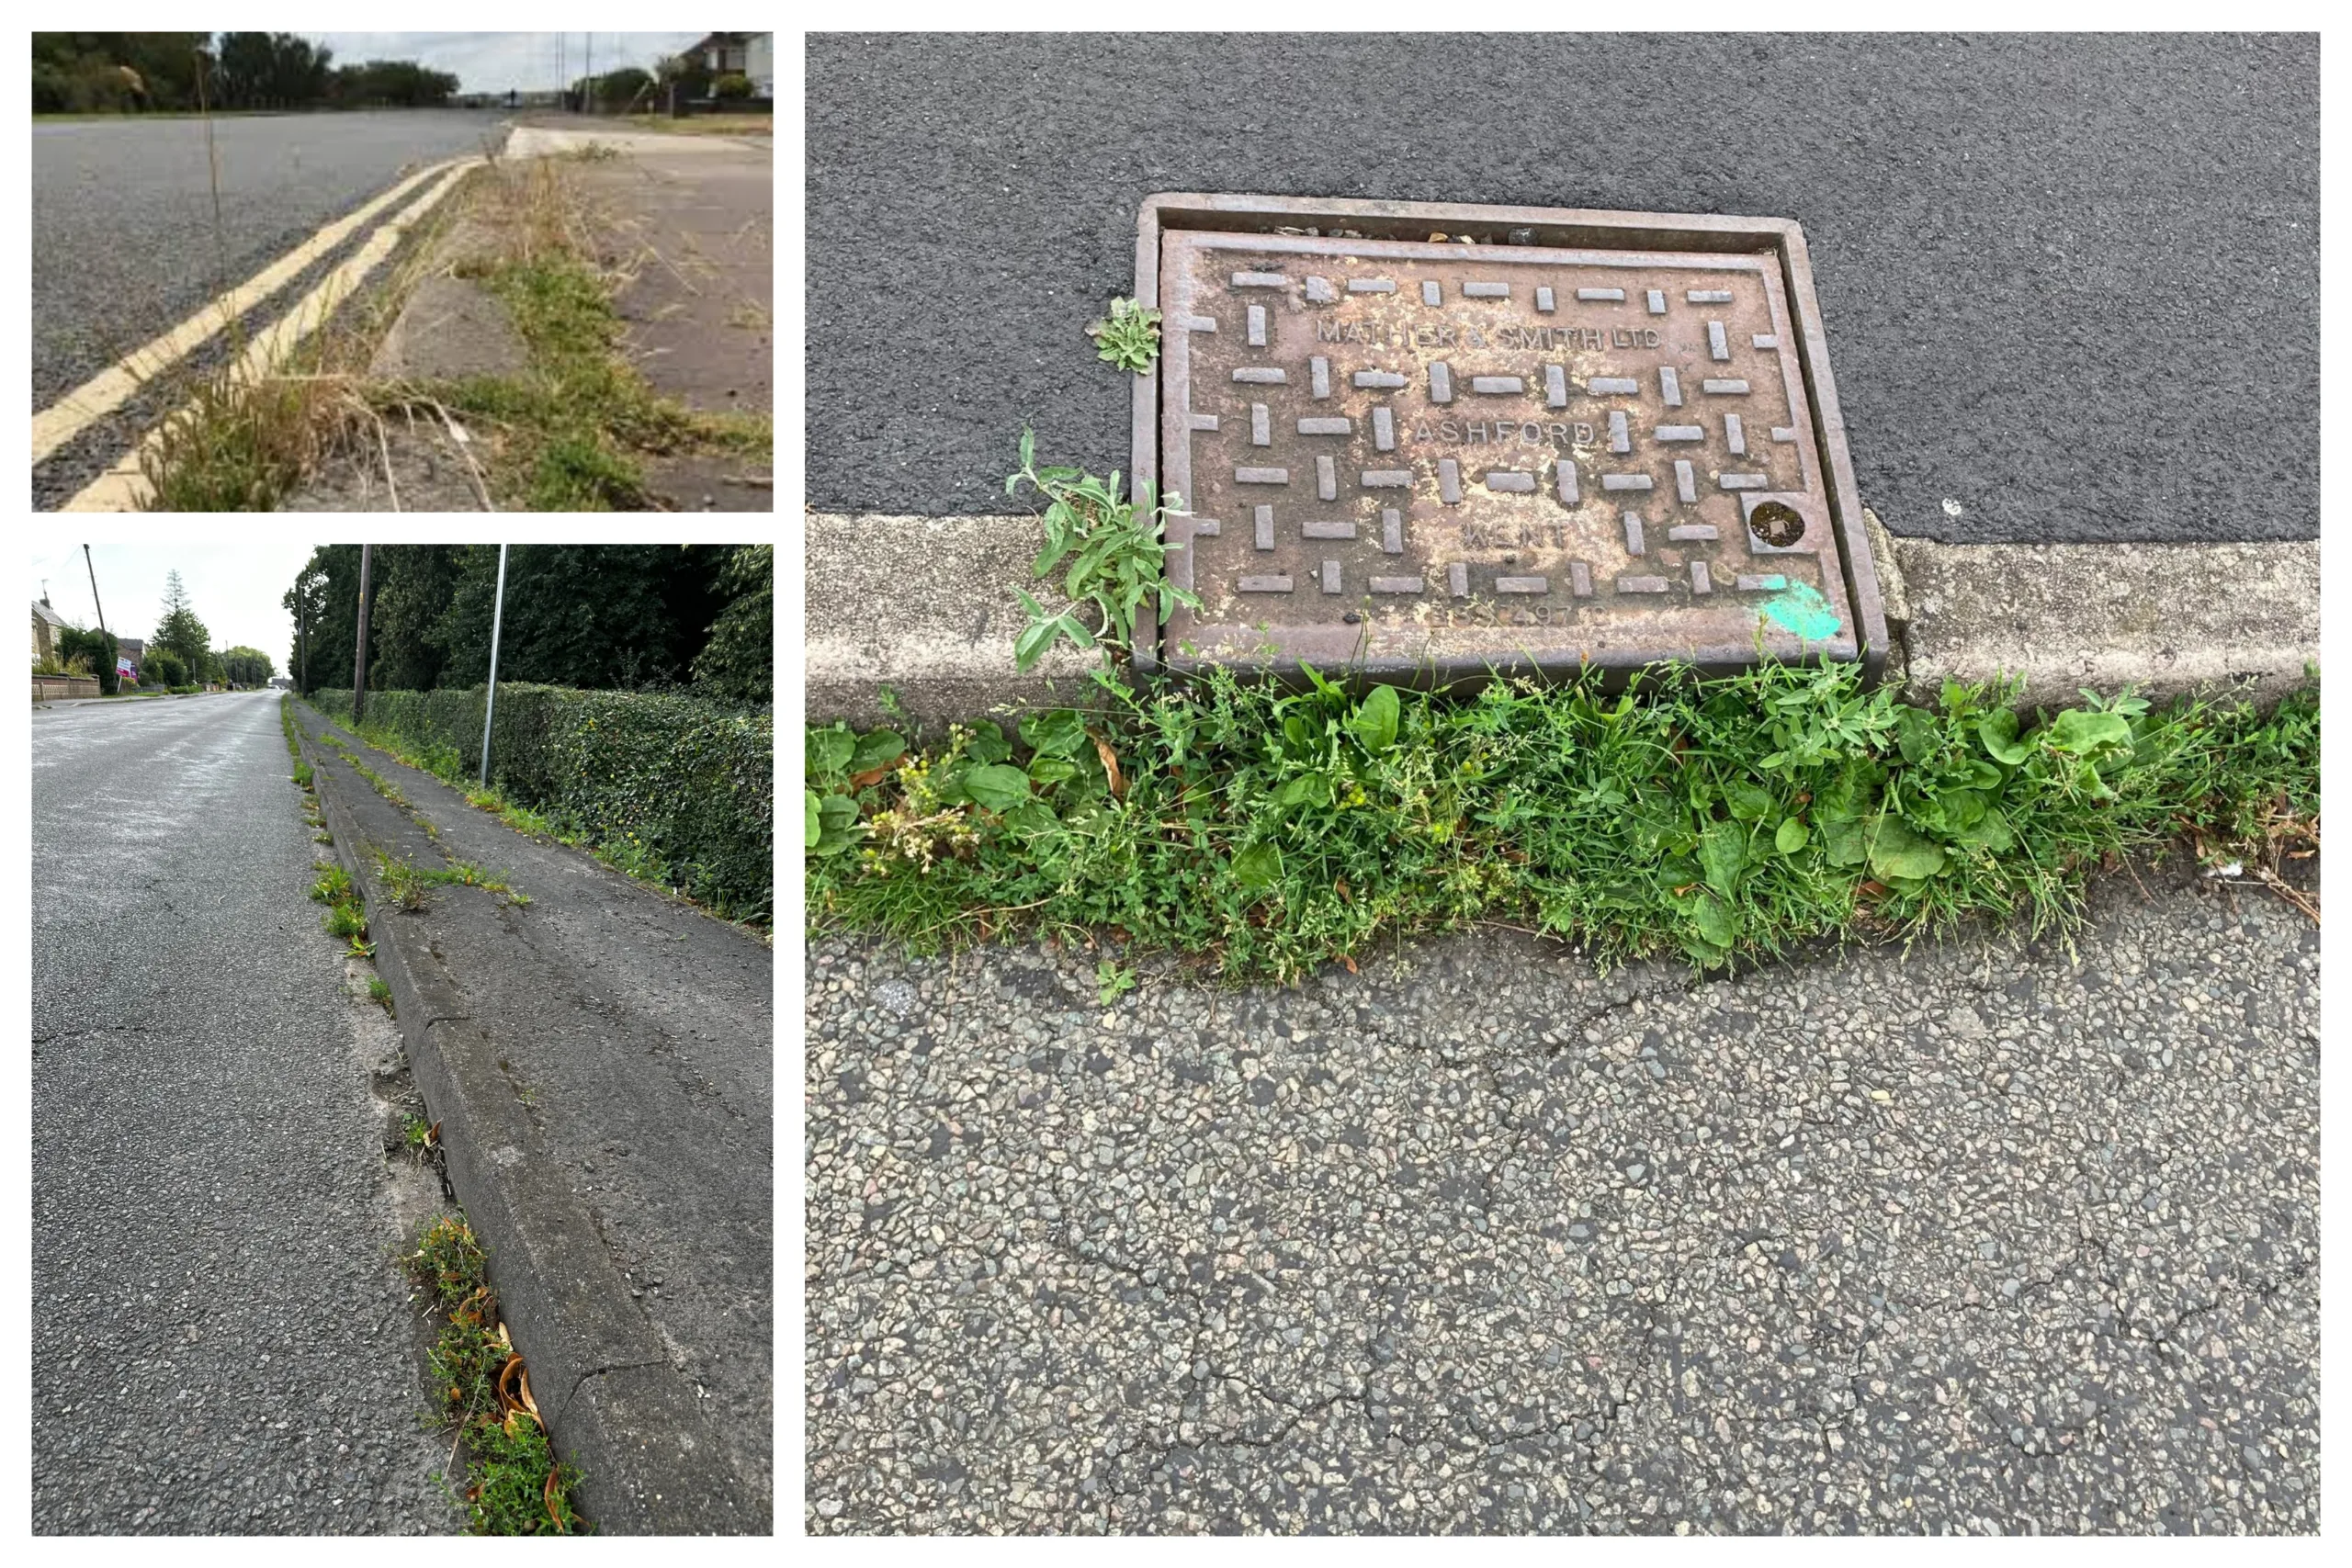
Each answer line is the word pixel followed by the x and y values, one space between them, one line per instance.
pixel 123 488
pixel 120 382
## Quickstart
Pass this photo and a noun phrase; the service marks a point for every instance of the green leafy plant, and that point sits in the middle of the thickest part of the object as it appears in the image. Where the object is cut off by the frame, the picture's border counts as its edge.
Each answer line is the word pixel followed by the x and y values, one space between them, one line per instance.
pixel 1128 336
pixel 1115 552
pixel 482 1390
pixel 380 992
pixel 1267 828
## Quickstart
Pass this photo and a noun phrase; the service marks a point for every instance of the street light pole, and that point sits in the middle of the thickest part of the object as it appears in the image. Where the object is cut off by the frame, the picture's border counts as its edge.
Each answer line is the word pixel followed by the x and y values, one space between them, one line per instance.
pixel 489 696
pixel 359 657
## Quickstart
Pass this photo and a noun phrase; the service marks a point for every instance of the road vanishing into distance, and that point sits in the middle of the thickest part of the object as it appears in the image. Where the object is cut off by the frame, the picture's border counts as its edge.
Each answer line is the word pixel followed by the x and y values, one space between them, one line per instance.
pixel 128 243
pixel 221 1339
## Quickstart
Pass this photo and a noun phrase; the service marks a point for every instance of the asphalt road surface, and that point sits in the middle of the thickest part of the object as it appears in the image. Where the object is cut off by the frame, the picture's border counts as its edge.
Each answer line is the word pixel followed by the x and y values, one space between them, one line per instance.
pixel 2071 284
pixel 221 1340
pixel 1975 1240
pixel 125 242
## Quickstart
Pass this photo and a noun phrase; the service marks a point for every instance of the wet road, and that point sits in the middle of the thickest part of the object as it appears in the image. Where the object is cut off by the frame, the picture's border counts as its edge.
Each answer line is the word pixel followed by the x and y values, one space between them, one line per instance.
pixel 220 1337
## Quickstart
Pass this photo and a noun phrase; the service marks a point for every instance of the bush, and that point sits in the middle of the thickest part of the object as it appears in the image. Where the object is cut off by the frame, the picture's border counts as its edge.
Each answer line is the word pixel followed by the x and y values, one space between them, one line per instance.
pixel 162 669
pixel 90 653
pixel 673 786
pixel 734 85
pixel 622 86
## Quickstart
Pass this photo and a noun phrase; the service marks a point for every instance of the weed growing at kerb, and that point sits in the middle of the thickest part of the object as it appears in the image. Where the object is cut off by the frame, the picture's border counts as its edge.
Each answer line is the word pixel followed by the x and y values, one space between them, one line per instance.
pixel 513 1484
pixel 1268 831
pixel 1128 337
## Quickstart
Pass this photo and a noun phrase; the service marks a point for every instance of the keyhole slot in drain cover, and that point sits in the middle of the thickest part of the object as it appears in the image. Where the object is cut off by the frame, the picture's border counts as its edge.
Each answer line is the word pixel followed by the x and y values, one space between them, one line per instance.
pixel 1777 523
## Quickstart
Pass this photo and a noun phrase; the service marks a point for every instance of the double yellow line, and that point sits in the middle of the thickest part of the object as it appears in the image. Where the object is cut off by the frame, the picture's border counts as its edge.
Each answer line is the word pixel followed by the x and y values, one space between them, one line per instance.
pixel 122 488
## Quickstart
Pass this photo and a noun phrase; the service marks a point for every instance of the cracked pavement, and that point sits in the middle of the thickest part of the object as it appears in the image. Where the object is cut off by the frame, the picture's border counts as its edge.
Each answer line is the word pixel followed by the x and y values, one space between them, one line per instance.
pixel 1978 1239
pixel 222 1341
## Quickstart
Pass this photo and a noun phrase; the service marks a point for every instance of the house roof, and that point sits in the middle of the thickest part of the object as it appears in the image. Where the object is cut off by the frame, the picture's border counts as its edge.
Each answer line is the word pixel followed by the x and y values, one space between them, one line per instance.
pixel 43 612
pixel 720 40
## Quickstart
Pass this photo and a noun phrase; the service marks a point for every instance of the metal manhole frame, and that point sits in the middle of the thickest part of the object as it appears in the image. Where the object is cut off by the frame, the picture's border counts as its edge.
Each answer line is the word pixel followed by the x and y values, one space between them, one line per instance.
pixel 1780 239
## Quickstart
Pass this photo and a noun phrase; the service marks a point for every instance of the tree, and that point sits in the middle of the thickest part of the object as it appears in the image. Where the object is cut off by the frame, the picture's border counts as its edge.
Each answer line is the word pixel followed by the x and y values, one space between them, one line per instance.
pixel 272 71
pixel 617 89
pixel 179 632
pixel 734 85
pixel 306 603
pixel 92 72
pixel 737 665
pixel 689 72
pixel 595 615
pixel 162 668
pixel 247 666
pixel 413 586
pixel 90 653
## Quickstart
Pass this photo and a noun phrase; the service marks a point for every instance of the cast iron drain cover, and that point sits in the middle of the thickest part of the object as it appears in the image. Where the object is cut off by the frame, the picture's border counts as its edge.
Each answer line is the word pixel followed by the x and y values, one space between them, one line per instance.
pixel 1600 439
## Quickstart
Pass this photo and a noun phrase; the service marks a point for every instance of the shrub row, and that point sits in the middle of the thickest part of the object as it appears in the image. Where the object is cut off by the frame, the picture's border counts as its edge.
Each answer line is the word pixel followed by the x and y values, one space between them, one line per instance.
pixel 673 787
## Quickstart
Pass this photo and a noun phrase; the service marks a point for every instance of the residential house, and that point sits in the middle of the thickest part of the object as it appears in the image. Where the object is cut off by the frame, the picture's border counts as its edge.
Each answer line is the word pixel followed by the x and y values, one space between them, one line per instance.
pixel 759 64
pixel 46 623
pixel 722 52
pixel 128 653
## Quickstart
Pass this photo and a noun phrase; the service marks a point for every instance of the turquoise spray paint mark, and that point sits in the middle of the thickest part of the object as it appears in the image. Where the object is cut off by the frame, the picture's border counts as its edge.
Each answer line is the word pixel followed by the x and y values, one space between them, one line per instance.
pixel 1800 608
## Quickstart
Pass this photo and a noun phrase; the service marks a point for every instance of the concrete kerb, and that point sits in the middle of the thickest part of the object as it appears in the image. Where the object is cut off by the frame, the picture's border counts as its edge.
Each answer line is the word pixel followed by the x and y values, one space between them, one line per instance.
pixel 925 607
pixel 614 1405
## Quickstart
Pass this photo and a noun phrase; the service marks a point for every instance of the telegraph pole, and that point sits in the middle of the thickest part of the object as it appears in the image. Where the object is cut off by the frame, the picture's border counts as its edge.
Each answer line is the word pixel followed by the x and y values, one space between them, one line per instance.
pixel 489 696
pixel 588 72
pixel 359 658
pixel 93 587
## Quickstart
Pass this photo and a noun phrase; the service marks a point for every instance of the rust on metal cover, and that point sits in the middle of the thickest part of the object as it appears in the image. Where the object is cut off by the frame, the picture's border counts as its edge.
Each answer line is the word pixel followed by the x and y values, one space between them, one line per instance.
pixel 1430 458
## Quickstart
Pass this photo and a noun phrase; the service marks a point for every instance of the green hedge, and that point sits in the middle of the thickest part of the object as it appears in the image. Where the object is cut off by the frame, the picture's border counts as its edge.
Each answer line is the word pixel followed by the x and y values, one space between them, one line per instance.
pixel 674 787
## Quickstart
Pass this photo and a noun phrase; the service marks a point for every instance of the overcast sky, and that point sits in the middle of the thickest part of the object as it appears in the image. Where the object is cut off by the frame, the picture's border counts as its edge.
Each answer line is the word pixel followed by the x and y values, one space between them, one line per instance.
pixel 233 589
pixel 492 63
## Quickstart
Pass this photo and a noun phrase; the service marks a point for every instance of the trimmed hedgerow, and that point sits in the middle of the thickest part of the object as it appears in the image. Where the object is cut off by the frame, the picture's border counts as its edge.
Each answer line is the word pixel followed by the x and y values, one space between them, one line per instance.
pixel 676 788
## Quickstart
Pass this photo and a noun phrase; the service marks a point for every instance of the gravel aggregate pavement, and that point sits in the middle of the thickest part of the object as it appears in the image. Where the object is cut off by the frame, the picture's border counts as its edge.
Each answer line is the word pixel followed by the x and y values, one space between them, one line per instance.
pixel 223 1342
pixel 1978 1240
pixel 2040 256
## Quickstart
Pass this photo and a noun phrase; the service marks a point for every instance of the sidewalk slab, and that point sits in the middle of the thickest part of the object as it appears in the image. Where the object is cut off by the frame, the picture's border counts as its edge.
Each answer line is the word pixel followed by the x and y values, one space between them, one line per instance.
pixel 601 1061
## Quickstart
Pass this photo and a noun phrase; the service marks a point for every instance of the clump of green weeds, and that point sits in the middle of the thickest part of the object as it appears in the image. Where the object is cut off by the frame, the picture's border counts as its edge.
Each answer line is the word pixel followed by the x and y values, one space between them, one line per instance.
pixel 1128 336
pixel 514 1483
pixel 1268 830
pixel 407 881
pixel 1114 550
pixel 334 885
pixel 416 1132
pixel 380 993
pixel 568 430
